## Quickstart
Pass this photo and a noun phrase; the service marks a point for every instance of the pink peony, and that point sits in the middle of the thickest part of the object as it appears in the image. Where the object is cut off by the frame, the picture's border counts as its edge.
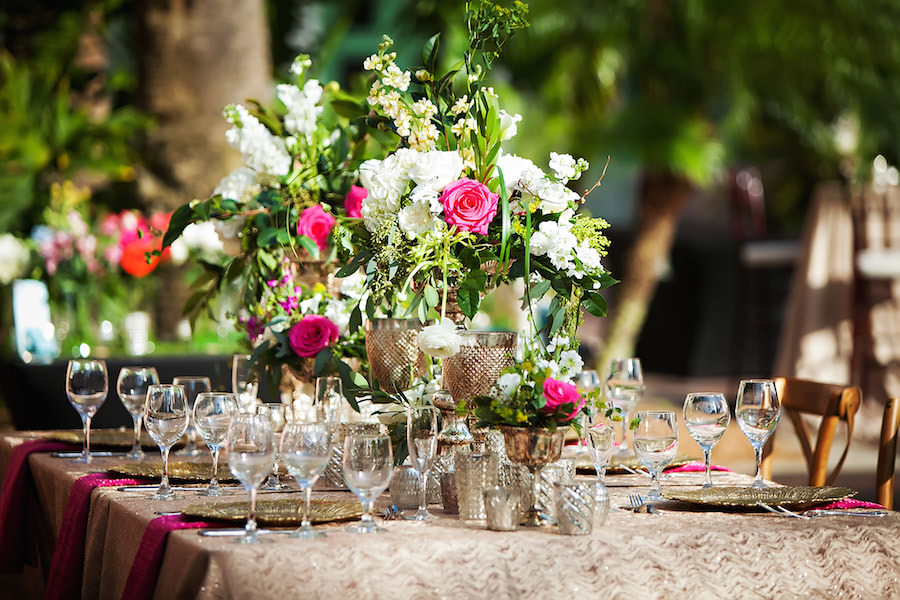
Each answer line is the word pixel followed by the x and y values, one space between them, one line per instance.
pixel 353 201
pixel 558 393
pixel 469 205
pixel 316 224
pixel 312 334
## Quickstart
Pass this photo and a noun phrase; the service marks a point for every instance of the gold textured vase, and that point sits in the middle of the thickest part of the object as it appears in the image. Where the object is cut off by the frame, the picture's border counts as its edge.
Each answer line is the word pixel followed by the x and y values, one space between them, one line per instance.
pixel 392 346
pixel 534 448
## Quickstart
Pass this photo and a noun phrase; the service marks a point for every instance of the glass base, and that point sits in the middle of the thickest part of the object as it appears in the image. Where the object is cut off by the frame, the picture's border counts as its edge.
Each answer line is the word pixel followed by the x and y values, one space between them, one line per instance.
pixel 83 459
pixel 654 495
pixel 759 485
pixel 163 494
pixel 256 538
pixel 535 518
pixel 215 492
pixel 306 532
pixel 273 484
pixel 361 527
pixel 421 515
pixel 135 455
pixel 706 486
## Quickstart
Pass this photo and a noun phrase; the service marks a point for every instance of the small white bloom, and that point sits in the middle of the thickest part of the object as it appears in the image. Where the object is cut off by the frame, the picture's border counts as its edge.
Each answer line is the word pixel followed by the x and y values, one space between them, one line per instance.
pixel 563 166
pixel 202 237
pixel 518 173
pixel 440 340
pixel 415 219
pixel 354 285
pixel 240 185
pixel 555 197
pixel 372 63
pixel 338 312
pixel 300 64
pixel 588 256
pixel 311 305
pixel 461 105
pixel 14 258
pixel 570 364
pixel 434 170
pixel 508 128
pixel 396 78
pixel 423 194
pixel 508 383
pixel 301 105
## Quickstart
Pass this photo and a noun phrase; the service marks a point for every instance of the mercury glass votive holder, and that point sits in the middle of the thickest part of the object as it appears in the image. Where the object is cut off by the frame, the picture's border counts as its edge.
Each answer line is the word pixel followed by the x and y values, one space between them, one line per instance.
pixel 474 474
pixel 576 503
pixel 502 508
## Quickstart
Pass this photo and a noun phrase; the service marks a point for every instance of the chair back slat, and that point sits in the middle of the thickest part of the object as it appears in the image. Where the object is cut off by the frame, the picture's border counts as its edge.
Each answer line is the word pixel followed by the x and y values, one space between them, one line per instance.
pixel 887 452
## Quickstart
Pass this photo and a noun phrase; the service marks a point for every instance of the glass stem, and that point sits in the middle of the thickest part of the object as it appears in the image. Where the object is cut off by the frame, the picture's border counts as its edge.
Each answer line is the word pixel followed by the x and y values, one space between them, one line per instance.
pixel 423 493
pixel 164 484
pixel 214 480
pixel 625 421
pixel 307 500
pixel 707 456
pixel 757 451
pixel 654 482
pixel 367 519
pixel 250 529
pixel 136 446
pixel 536 489
pixel 86 449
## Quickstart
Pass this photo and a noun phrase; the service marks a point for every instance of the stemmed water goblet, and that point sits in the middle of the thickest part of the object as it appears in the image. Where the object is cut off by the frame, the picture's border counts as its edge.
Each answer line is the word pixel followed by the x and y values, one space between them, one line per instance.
pixel 599 440
pixel 244 382
pixel 132 385
pixel 368 463
pixel 306 449
pixel 213 413
pixel 706 416
pixel 251 452
pixel 277 415
pixel 192 387
pixel 87 384
pixel 757 413
pixel 166 418
pixel 329 399
pixel 624 388
pixel 655 444
pixel 421 439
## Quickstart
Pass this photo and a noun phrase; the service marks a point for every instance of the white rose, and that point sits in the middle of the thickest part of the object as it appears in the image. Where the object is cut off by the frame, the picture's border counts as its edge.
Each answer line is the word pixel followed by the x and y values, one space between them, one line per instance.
pixel 517 170
pixel 508 127
pixel 354 285
pixel 336 312
pixel 440 340
pixel 436 169
pixel 415 219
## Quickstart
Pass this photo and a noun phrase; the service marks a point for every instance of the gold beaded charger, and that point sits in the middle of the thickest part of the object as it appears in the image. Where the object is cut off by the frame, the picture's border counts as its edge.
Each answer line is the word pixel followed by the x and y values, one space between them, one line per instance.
pixel 620 465
pixel 278 512
pixel 178 471
pixel 107 438
pixel 797 496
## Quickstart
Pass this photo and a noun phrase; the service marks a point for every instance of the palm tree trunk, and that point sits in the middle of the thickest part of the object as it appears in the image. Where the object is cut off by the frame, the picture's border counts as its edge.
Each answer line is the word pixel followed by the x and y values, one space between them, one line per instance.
pixel 663 197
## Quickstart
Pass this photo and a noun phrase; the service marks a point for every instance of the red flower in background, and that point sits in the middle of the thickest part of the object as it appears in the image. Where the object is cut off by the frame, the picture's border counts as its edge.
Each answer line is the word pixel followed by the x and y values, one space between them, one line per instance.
pixel 353 201
pixel 134 256
pixel 316 224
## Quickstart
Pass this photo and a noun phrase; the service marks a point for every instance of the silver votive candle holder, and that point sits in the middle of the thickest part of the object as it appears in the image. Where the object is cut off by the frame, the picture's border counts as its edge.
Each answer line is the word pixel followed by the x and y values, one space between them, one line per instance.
pixel 474 473
pixel 501 506
pixel 448 492
pixel 575 506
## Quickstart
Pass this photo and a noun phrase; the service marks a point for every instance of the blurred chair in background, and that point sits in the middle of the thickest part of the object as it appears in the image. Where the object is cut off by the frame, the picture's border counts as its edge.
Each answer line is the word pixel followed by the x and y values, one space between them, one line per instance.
pixel 887 453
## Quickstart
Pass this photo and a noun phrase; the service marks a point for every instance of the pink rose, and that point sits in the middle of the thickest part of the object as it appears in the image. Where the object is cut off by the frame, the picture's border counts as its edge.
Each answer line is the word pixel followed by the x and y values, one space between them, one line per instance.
pixel 312 334
pixel 316 224
pixel 469 205
pixel 353 201
pixel 558 393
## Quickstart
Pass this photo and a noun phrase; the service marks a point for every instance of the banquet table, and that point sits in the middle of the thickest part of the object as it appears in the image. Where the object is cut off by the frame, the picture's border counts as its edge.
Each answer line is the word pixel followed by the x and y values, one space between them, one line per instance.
pixel 681 552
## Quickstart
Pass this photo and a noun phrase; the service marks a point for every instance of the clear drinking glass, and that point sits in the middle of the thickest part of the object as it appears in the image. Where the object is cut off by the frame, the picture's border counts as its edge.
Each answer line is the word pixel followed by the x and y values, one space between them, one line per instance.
pixel 624 388
pixel 599 441
pixel 193 386
pixel 329 399
pixel 757 412
pixel 212 415
pixel 251 452
pixel 587 381
pixel 368 464
pixel 655 444
pixel 421 439
pixel 306 449
pixel 706 416
pixel 244 382
pixel 132 385
pixel 166 418
pixel 87 384
pixel 277 416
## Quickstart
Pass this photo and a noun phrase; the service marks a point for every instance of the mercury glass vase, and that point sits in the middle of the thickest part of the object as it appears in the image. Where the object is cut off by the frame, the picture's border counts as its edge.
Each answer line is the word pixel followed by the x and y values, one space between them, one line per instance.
pixel 392 346
pixel 534 448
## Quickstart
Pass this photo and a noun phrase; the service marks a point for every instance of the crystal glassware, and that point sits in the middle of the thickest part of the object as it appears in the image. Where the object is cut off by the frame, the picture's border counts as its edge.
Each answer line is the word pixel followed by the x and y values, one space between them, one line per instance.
pixel 166 419
pixel 87 384
pixel 251 452
pixel 306 449
pixel 393 350
pixel 244 382
pixel 192 387
pixel 421 439
pixel 706 417
pixel 475 472
pixel 277 415
pixel 212 415
pixel 624 388
pixel 131 386
pixel 599 441
pixel 329 400
pixel 368 463
pixel 576 502
pixel 757 412
pixel 655 444
pixel 534 448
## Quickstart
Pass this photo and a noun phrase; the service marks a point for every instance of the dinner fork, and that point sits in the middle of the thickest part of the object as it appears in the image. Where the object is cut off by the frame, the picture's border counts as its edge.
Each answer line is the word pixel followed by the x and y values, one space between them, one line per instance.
pixel 781 511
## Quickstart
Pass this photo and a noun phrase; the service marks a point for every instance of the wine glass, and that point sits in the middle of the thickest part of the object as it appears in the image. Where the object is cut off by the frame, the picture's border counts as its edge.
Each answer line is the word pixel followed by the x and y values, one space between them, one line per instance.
pixel 87 384
pixel 655 443
pixel 368 464
pixel 212 415
pixel 706 416
pixel 251 452
pixel 244 382
pixel 624 388
pixel 132 385
pixel 599 440
pixel 329 399
pixel 306 449
pixel 757 412
pixel 192 387
pixel 587 381
pixel 421 439
pixel 166 418
pixel 277 416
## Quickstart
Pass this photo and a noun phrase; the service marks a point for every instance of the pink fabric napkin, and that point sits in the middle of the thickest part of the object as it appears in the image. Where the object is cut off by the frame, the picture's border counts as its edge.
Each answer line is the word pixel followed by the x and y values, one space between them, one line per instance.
pixel 66 567
pixel 17 542
pixel 850 503
pixel 695 466
pixel 144 571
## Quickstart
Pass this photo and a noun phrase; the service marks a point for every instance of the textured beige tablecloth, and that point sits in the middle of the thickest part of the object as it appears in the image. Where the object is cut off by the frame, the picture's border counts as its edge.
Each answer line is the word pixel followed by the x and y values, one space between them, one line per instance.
pixel 673 555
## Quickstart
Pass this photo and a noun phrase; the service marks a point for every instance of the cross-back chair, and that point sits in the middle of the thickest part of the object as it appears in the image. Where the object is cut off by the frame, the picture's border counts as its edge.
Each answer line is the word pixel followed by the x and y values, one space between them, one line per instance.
pixel 887 452
pixel 834 403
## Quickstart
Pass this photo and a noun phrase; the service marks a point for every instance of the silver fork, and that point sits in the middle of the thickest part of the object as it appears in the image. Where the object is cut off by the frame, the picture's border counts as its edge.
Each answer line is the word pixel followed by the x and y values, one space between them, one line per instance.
pixel 781 511
pixel 635 500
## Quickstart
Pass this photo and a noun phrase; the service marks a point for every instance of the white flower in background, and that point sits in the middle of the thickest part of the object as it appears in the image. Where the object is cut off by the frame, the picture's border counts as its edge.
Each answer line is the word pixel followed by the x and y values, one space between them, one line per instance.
pixel 440 340
pixel 200 237
pixel 508 128
pixel 550 365
pixel 563 166
pixel 228 231
pixel 262 151
pixel 557 341
pixel 302 106
pixel 435 169
pixel 463 126
pixel 14 256
pixel 354 285
pixel 570 364
pixel 240 185
pixel 415 219
pixel 426 195
pixel 556 241
pixel 396 78
pixel 300 64
pixel 508 383
pixel 555 197
pixel 311 305
pixel 338 312
pixel 589 257
pixel 518 173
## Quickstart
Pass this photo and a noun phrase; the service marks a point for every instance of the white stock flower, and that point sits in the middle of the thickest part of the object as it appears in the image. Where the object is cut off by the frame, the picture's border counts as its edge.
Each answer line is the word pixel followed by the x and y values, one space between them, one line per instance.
pixel 394 77
pixel 415 219
pixel 311 305
pixel 563 166
pixel 338 312
pixel 570 364
pixel 508 383
pixel 556 241
pixel 555 197
pixel 354 285
pixel 588 256
pixel 508 128
pixel 14 258
pixel 240 185
pixel 440 340
pixel 301 106
pixel 422 194
pixel 262 151
pixel 518 173
pixel 202 237
pixel 436 169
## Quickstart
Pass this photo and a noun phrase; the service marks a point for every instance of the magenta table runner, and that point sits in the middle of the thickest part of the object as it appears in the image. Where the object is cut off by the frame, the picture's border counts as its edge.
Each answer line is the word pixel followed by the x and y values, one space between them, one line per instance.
pixel 696 466
pixel 17 540
pixel 141 581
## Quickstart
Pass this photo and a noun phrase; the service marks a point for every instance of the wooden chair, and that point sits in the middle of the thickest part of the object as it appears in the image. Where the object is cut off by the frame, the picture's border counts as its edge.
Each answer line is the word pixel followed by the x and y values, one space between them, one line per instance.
pixel 834 403
pixel 887 452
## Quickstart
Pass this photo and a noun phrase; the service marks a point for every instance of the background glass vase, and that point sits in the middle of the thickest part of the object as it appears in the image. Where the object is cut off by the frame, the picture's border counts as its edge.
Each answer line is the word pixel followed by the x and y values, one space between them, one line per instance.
pixel 474 474
pixel 393 351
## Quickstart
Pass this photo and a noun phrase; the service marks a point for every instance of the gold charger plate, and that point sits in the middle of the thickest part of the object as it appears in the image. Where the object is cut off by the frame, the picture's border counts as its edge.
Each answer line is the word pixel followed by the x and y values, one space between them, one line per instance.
pixel 279 512
pixel 108 438
pixel 618 464
pixel 748 497
pixel 178 471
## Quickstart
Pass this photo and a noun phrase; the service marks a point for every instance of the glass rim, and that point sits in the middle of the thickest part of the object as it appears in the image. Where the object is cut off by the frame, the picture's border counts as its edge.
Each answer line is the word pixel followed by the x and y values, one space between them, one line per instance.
pixel 191 377
pixel 137 367
pixel 755 380
pixel 654 412
pixel 165 386
pixel 216 393
pixel 392 323
pixel 689 394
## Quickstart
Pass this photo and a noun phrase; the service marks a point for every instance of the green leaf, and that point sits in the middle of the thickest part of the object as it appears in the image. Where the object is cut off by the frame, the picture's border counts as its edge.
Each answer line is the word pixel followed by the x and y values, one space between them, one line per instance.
pixel 539 289
pixel 475 280
pixel 347 108
pixel 322 359
pixel 349 383
pixel 355 319
pixel 268 198
pixel 268 237
pixel 181 218
pixel 469 259
pixel 353 266
pixel 594 303
pixel 309 245
pixel 469 300
pixel 431 296
pixel 429 52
